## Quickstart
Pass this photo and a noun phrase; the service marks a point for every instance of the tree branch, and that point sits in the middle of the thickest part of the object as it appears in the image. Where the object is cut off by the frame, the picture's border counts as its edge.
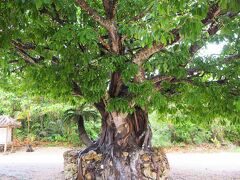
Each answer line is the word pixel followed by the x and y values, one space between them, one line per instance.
pixel 91 12
pixel 191 73
pixel 212 30
pixel 142 55
pixel 26 46
pixel 189 80
pixel 114 45
pixel 232 58
pixel 147 52
pixel 160 78
pixel 142 14
pixel 213 12
pixel 13 61
pixel 34 61
pixel 104 44
pixel 26 57
pixel 110 7
pixel 55 17
pixel 76 89
pixel 115 84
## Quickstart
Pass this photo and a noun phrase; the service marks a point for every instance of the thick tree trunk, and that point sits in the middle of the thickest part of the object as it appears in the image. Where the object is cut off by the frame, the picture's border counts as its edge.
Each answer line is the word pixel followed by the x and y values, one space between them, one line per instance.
pixel 82 132
pixel 123 150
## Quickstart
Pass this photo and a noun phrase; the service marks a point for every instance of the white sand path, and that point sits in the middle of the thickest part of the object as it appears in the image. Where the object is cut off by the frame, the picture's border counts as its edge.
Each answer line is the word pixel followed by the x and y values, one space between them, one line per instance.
pixel 47 164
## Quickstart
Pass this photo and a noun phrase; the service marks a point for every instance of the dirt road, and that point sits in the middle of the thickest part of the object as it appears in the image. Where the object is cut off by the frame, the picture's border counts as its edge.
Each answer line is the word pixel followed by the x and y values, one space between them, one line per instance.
pixel 42 164
pixel 47 164
pixel 205 166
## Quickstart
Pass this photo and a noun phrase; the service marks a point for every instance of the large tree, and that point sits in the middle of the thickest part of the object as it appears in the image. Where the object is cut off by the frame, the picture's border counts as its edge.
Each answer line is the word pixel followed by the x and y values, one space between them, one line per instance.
pixel 127 58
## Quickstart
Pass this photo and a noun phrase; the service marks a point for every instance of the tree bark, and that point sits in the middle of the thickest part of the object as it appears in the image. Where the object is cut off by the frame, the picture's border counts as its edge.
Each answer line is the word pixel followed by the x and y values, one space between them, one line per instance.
pixel 82 132
pixel 123 150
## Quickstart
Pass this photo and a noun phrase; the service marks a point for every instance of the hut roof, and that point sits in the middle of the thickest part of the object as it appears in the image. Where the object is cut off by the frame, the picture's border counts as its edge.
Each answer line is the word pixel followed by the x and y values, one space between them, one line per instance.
pixel 8 121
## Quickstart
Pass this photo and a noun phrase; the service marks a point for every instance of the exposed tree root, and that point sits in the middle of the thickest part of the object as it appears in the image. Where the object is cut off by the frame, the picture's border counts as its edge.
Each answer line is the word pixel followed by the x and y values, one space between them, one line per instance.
pixel 134 164
pixel 123 150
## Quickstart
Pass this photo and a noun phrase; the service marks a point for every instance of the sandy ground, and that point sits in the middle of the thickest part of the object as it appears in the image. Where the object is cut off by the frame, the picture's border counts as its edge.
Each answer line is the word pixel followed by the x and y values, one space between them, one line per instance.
pixel 47 164
pixel 205 166
pixel 42 164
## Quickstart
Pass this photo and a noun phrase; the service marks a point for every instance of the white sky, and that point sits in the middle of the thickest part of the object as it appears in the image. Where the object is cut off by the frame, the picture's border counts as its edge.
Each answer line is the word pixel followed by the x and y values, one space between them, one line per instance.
pixel 212 49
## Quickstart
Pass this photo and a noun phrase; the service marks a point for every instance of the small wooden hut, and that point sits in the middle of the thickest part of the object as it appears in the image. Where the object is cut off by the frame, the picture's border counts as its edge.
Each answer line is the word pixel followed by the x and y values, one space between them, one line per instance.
pixel 6 130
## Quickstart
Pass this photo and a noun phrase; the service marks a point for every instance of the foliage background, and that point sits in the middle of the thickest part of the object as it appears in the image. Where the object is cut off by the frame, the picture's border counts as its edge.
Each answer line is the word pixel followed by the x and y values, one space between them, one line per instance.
pixel 47 123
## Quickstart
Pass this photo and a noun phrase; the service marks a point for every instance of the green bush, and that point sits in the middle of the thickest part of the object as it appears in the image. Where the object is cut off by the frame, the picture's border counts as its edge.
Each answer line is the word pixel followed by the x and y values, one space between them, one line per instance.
pixel 47 123
pixel 169 130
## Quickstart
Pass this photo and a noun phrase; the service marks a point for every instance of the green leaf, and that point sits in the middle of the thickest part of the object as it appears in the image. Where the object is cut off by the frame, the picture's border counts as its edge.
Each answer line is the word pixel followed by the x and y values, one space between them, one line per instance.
pixel 38 3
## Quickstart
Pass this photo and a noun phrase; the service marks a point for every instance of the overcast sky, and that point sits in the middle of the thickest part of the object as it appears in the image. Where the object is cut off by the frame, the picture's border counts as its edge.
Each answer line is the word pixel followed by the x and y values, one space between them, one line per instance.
pixel 212 49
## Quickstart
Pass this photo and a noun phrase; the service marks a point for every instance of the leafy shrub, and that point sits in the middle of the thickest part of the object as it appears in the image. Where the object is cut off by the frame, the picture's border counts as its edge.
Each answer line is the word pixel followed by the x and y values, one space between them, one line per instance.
pixel 161 134
pixel 169 130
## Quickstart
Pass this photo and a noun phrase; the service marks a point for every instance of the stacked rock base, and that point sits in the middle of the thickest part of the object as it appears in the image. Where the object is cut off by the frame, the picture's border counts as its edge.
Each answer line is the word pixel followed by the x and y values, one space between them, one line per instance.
pixel 96 166
pixel 71 164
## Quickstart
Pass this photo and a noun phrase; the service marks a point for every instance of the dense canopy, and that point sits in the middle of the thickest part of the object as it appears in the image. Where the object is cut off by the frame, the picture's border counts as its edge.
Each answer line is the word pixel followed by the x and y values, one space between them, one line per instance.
pixel 54 46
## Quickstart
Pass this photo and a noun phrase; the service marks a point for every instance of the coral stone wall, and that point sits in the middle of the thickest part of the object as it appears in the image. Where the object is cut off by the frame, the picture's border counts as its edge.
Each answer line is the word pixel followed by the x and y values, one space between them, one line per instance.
pixel 90 161
pixel 70 164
